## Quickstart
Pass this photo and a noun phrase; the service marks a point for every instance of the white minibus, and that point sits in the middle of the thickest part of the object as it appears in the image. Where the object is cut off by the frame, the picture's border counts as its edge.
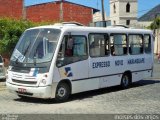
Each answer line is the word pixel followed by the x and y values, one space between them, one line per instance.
pixel 56 61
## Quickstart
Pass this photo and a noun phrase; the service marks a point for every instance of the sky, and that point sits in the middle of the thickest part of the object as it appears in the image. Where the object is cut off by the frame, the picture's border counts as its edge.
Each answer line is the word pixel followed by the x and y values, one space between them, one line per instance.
pixel 143 5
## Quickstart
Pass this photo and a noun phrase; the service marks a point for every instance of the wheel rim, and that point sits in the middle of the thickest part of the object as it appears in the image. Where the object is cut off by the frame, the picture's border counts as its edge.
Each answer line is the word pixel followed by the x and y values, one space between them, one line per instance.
pixel 125 80
pixel 61 92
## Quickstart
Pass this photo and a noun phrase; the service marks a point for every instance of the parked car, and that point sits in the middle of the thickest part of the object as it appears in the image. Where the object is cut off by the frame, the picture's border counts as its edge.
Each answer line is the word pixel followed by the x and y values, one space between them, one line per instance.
pixel 2 69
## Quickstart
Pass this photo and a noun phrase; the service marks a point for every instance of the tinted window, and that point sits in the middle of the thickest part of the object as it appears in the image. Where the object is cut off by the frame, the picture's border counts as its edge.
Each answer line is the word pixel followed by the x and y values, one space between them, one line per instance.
pixel 136 44
pixel 147 43
pixel 99 45
pixel 73 49
pixel 118 44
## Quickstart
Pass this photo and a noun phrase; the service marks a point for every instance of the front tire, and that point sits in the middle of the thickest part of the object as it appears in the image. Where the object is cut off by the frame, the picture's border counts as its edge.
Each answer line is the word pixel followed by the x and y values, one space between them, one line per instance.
pixel 125 81
pixel 62 92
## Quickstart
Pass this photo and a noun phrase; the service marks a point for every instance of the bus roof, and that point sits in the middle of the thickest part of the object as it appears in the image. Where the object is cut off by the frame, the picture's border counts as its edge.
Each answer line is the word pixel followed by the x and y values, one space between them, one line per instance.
pixel 74 28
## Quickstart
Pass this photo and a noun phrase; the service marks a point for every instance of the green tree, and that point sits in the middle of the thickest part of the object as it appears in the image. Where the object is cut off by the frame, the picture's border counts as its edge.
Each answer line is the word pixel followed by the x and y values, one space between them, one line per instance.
pixel 155 24
pixel 10 32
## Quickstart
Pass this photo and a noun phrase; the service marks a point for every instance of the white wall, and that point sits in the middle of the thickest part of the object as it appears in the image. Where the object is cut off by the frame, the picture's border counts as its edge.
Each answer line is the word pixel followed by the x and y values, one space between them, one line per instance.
pixel 121 16
pixel 157 42
pixel 98 17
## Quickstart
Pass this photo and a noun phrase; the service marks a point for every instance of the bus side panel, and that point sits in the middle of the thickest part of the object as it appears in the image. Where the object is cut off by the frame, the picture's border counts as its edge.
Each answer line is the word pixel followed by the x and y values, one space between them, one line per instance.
pixel 149 65
pixel 85 85
pixel 110 69
pixel 54 78
pixel 143 69
pixel 110 81
pixel 136 76
pixel 147 74
pixel 55 75
pixel 77 73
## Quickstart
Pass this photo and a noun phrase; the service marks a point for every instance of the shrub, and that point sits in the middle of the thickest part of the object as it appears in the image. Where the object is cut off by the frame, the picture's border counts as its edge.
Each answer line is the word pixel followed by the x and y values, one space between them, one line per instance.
pixel 155 24
pixel 10 32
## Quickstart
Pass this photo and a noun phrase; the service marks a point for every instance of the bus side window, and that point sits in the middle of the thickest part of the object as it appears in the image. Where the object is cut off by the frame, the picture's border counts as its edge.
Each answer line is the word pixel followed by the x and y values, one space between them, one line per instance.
pixel 80 46
pixel 69 47
pixel 118 44
pixel 135 44
pixel 99 44
pixel 147 43
pixel 73 49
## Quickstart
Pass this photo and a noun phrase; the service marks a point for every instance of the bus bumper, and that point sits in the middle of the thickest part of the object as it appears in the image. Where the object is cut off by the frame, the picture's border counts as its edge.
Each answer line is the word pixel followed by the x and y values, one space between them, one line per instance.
pixel 2 77
pixel 45 92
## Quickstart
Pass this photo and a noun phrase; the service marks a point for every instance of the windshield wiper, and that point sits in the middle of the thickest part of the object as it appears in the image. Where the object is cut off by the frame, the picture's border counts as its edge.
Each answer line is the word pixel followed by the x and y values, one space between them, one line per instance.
pixel 25 52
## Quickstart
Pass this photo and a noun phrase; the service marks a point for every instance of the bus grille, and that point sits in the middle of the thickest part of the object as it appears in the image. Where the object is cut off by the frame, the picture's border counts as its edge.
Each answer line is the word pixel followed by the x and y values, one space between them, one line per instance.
pixel 25 82
pixel 24 79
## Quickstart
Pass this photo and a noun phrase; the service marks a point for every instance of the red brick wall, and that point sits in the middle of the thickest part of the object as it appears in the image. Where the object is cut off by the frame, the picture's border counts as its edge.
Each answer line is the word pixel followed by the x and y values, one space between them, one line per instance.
pixel 43 12
pixel 11 8
pixel 51 12
pixel 47 12
pixel 74 12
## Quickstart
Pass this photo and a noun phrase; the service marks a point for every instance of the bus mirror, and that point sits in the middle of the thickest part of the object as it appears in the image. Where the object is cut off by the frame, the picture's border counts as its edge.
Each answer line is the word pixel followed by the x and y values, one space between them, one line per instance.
pixel 60 61
pixel 61 58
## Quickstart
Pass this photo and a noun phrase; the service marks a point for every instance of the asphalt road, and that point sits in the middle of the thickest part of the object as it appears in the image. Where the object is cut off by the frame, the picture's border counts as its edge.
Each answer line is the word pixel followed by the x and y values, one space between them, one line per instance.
pixel 142 98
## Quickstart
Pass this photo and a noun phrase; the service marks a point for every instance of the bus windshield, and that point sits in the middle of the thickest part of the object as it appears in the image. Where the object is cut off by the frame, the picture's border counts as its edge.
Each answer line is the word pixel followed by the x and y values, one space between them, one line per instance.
pixel 36 45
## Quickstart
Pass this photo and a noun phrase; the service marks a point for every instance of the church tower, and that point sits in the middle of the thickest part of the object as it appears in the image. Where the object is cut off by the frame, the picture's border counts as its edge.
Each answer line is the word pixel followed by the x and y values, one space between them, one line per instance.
pixel 123 12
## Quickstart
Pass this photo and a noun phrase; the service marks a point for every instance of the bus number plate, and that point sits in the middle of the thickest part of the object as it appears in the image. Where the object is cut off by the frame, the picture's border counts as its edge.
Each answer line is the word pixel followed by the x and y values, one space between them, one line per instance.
pixel 22 90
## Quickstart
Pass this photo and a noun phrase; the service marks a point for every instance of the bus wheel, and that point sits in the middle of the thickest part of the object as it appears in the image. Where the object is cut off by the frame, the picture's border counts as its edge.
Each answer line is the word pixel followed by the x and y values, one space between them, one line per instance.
pixel 125 81
pixel 62 92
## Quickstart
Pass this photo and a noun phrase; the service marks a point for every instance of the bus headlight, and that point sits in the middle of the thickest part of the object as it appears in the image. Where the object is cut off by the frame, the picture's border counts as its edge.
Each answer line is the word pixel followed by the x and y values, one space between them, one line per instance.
pixel 43 81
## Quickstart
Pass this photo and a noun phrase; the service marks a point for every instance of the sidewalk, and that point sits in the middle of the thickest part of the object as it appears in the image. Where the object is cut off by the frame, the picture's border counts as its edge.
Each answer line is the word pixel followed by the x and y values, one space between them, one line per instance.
pixel 3 83
pixel 156 71
pixel 2 86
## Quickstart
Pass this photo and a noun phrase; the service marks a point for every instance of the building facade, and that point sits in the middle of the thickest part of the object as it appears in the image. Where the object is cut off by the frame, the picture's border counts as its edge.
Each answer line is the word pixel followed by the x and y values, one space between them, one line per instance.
pixel 98 17
pixel 11 9
pixel 60 11
pixel 123 12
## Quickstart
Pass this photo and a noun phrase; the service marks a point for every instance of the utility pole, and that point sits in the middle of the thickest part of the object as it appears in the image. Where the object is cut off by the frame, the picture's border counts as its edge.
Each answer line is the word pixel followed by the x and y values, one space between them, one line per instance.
pixel 103 13
pixel 61 10
pixel 23 10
